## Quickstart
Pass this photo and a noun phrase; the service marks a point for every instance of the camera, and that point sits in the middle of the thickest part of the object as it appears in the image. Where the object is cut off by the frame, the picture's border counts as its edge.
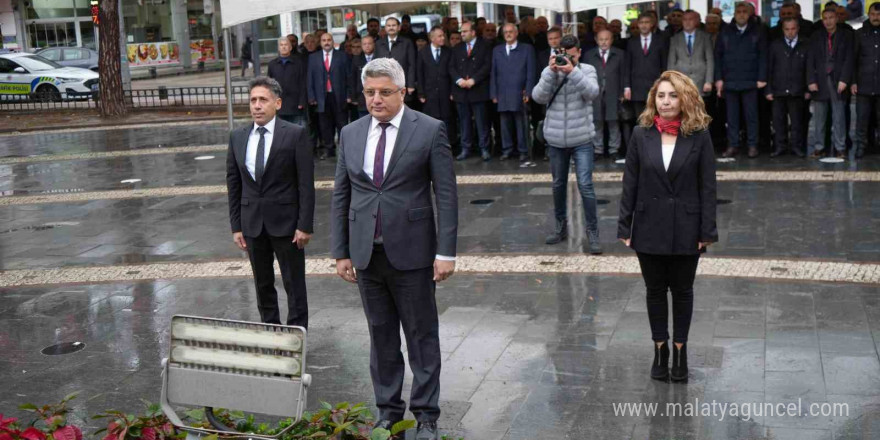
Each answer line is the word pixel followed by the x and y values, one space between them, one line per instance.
pixel 563 59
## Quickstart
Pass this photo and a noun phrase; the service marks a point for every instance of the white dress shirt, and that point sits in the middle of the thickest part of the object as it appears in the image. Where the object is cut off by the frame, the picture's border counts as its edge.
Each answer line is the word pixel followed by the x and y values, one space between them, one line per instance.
pixel 250 158
pixel 791 43
pixel 692 36
pixel 369 57
pixel 390 139
pixel 511 47
pixel 742 29
pixel 435 51
pixel 646 38
pixel 668 149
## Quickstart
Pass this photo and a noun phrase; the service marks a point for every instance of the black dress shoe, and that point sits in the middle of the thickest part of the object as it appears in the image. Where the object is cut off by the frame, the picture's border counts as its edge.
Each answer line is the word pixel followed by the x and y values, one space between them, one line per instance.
pixel 461 156
pixel 384 424
pixel 322 156
pixel 660 367
pixel 505 156
pixel 427 431
pixel 777 153
pixel 840 155
pixel 753 152
pixel 487 157
pixel 730 152
pixel 798 152
pixel 679 371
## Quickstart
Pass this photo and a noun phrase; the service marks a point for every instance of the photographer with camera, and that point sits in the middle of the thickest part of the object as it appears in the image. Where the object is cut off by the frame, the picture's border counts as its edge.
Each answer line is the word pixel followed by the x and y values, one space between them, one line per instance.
pixel 568 88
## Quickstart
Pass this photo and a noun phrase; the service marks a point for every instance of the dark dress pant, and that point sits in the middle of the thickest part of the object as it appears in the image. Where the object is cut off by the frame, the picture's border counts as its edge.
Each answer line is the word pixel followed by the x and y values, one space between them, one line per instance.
pixel 262 250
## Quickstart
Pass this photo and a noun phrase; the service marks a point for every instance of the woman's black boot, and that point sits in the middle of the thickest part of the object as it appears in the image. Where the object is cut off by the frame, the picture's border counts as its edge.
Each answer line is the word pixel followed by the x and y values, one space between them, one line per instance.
pixel 660 367
pixel 679 363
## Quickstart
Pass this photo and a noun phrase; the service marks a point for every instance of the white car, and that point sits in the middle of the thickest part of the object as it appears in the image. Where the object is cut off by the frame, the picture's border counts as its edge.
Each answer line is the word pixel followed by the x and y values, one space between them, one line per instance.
pixel 24 75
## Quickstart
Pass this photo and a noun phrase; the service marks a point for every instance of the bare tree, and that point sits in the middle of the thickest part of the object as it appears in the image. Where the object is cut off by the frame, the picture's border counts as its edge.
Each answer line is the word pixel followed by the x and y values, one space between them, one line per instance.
pixel 112 101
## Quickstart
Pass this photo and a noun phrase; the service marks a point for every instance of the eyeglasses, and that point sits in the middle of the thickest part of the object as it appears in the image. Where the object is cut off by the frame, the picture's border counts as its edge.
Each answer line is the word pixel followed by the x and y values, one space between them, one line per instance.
pixel 369 93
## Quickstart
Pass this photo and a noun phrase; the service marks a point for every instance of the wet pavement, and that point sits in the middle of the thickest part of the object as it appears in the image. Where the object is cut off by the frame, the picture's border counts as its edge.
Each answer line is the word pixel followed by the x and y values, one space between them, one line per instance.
pixel 528 353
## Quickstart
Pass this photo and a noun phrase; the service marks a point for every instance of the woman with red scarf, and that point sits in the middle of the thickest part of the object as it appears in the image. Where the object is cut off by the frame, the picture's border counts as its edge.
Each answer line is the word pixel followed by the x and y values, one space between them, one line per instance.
pixel 667 210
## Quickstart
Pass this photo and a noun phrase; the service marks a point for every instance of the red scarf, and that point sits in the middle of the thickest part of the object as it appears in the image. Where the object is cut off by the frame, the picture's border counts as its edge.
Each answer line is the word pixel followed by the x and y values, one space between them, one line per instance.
pixel 668 127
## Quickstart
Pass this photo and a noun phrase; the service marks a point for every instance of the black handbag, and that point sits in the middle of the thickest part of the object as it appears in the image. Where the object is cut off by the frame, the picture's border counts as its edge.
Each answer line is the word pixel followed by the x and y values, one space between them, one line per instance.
pixel 539 131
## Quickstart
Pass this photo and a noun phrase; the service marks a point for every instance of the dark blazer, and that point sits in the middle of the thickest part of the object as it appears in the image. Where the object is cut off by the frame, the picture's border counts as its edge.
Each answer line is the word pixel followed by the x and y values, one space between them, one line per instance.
pixel 610 82
pixel 404 51
pixel 421 161
pixel 477 66
pixel 434 83
pixel 668 212
pixel 843 61
pixel 788 68
pixel 867 59
pixel 285 199
pixel 642 70
pixel 317 79
pixel 292 78
pixel 741 60
pixel 512 75
pixel 355 86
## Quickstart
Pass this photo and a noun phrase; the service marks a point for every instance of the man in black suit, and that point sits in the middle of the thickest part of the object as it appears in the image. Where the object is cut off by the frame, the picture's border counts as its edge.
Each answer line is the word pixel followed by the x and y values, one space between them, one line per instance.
pixel 469 70
pixel 866 85
pixel 355 87
pixel 290 71
pixel 608 62
pixel 787 11
pixel 383 225
pixel 271 184
pixel 646 58
pixel 829 74
pixel 434 84
pixel 403 50
pixel 327 89
pixel 787 87
pixel 538 111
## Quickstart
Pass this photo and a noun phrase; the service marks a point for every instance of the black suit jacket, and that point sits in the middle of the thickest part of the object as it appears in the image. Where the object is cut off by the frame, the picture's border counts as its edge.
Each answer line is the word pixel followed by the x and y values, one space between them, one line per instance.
pixel 434 83
pixel 291 76
pixel 787 69
pixel 640 70
pixel 477 66
pixel 668 212
pixel 285 199
pixel 843 60
pixel 404 51
pixel 355 86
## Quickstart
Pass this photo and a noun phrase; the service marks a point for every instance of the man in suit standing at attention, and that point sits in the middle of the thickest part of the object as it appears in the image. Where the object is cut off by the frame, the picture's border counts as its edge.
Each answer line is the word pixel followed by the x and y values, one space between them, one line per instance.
pixel 355 88
pixel 383 224
pixel 289 70
pixel 692 53
pixel 608 62
pixel 403 50
pixel 327 84
pixel 511 82
pixel 787 87
pixel 271 184
pixel 646 58
pixel 434 85
pixel 469 69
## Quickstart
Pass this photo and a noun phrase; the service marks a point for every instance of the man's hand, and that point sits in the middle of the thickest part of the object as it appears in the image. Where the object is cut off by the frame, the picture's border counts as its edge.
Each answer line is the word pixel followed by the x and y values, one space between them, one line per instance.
pixel 345 270
pixel 301 239
pixel 552 64
pixel 854 89
pixel 238 239
pixel 703 245
pixel 841 87
pixel 627 94
pixel 806 96
pixel 299 107
pixel 348 100
pixel 313 102
pixel 769 97
pixel 422 100
pixel 442 269
pixel 761 84
pixel 813 87
pixel 626 241
pixel 567 67
pixel 471 83
pixel 707 87
pixel 526 99
pixel 719 85
pixel 495 100
pixel 410 90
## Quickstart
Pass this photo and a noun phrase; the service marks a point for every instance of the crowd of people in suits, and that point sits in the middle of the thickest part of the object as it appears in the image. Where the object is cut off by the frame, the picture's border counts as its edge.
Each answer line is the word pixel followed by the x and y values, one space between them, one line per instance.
pixel 766 88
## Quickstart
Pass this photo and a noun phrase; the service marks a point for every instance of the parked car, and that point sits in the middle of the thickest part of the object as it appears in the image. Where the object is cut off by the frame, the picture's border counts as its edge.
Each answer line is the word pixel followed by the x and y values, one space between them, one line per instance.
pixel 25 75
pixel 421 24
pixel 71 56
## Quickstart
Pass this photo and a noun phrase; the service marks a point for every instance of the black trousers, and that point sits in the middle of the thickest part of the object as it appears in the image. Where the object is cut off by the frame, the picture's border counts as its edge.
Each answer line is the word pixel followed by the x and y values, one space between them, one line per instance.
pixel 393 298
pixel 866 107
pixel 292 261
pixel 787 108
pixel 664 273
pixel 331 120
pixel 747 102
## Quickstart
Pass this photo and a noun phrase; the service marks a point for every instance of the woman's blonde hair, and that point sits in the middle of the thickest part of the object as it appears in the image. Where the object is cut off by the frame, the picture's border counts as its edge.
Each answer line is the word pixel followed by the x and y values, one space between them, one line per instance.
pixel 693 111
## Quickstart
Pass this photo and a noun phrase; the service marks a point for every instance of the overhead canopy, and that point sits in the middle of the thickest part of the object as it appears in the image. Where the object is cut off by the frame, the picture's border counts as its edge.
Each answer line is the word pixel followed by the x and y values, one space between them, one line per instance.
pixel 242 11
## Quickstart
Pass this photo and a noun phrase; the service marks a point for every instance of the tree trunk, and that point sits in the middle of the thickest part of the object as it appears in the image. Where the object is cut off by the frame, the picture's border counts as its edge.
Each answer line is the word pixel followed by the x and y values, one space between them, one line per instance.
pixel 112 99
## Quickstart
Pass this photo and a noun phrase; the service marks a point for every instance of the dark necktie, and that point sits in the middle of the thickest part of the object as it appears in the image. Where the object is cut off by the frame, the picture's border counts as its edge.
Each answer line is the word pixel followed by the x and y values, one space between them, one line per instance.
pixel 379 173
pixel 690 45
pixel 261 155
pixel 603 58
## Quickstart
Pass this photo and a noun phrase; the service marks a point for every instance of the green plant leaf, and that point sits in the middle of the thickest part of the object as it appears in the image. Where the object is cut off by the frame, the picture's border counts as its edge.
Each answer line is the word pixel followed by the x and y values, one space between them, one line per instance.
pixel 318 434
pixel 380 434
pixel 402 425
pixel 326 406
pixel 69 397
pixel 28 407
pixel 195 414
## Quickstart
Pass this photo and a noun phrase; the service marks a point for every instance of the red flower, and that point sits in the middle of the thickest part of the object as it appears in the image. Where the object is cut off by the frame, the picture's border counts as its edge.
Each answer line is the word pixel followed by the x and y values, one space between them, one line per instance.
pixel 5 422
pixel 148 434
pixel 33 434
pixel 68 432
pixel 5 436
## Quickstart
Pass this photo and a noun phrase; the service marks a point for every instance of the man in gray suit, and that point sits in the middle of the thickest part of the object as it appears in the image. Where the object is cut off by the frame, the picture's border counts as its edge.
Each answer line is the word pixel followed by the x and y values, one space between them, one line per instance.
pixel 692 52
pixel 383 225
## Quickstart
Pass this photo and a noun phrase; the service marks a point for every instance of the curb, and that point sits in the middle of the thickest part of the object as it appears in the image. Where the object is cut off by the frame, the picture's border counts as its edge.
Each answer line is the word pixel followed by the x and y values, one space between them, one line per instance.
pixel 114 124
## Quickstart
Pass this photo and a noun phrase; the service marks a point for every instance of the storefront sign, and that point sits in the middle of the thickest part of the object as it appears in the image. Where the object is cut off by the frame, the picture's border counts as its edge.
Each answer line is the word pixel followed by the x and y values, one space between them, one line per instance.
pixel 202 50
pixel 151 54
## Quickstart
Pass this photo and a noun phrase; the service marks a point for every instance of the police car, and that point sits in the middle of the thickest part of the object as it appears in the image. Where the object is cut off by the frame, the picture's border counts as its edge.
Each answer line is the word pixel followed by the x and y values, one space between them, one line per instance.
pixel 24 76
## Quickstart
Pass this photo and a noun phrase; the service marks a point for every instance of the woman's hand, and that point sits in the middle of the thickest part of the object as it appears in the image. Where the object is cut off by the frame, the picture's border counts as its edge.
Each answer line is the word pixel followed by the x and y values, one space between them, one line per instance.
pixel 626 241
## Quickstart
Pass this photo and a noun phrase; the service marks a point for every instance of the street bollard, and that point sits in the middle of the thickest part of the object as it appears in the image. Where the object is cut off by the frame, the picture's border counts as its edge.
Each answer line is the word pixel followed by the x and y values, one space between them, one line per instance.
pixel 163 93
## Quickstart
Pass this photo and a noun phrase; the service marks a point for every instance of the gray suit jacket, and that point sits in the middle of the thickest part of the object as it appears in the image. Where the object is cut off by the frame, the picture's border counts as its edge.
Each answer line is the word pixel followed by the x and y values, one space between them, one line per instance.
pixel 421 159
pixel 699 67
